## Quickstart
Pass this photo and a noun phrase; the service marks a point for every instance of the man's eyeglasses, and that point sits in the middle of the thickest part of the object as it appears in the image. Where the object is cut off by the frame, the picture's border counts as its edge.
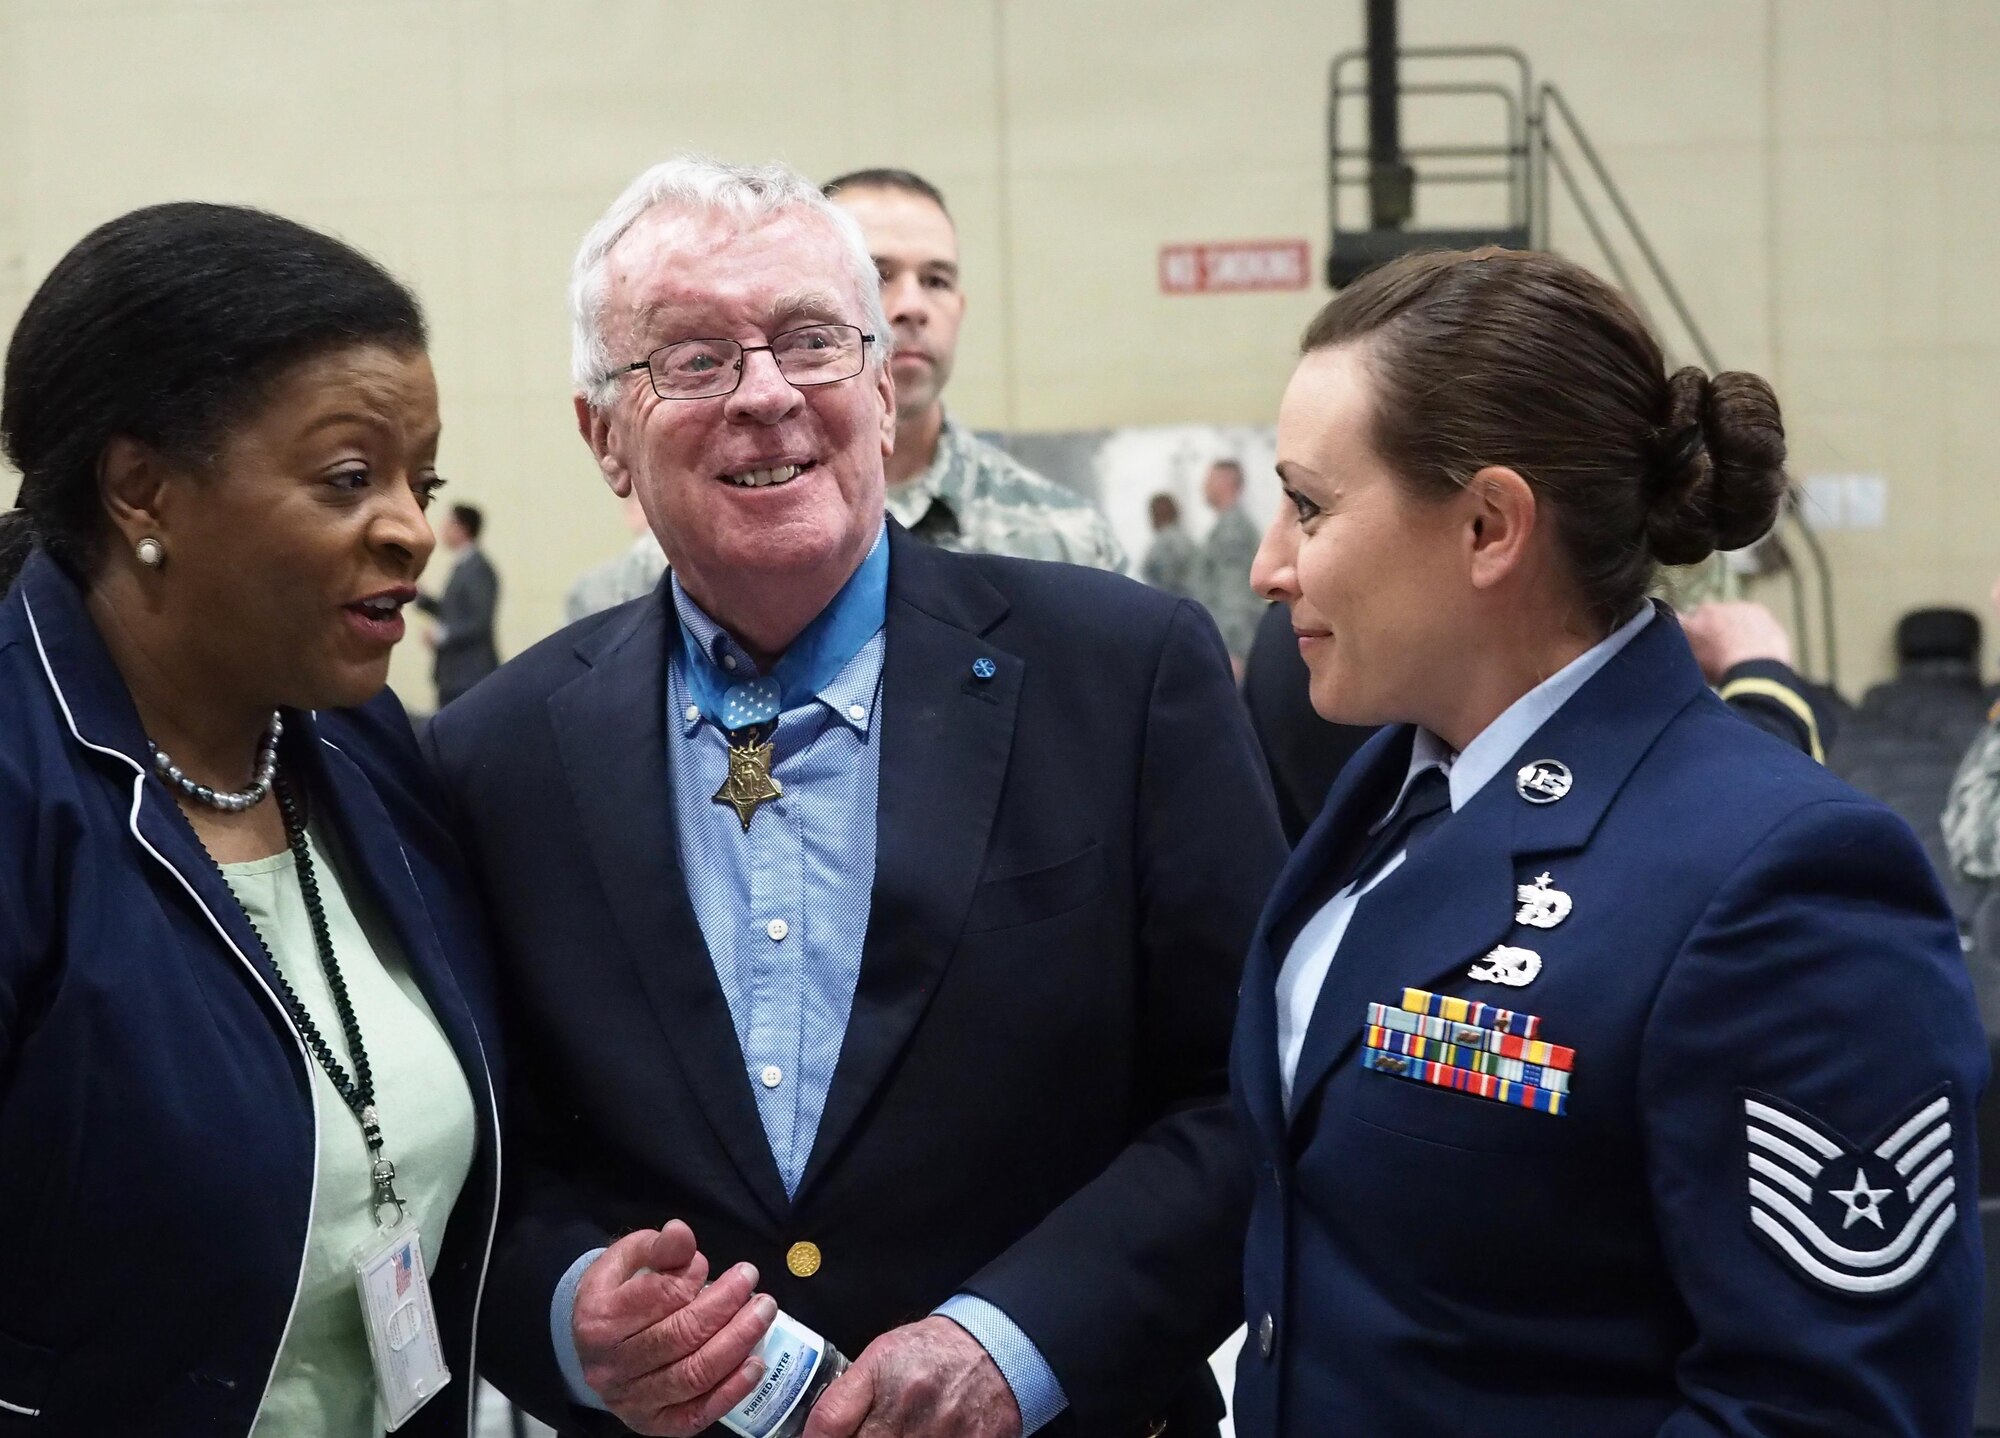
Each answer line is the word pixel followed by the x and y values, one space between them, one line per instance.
pixel 706 369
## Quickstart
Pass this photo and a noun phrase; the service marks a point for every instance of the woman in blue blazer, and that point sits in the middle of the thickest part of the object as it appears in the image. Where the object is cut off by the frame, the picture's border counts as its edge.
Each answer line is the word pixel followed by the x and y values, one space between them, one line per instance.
pixel 1608 1066
pixel 246 1067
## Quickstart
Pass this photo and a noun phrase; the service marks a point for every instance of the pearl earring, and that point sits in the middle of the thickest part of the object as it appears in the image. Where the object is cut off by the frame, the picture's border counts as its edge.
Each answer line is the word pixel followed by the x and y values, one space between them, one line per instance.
pixel 151 552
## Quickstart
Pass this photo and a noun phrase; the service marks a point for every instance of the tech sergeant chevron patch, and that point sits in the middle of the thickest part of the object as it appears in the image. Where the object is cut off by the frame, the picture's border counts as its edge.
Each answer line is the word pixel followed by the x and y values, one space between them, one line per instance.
pixel 1860 1221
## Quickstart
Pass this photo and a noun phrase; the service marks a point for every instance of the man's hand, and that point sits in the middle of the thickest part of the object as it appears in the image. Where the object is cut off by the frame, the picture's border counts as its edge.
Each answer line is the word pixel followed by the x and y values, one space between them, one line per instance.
pixel 1725 633
pixel 930 1378
pixel 668 1355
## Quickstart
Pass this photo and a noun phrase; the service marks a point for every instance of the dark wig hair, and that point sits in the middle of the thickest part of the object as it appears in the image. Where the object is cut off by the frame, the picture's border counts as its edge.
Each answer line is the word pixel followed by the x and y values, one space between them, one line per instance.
pixel 169 325
pixel 1528 360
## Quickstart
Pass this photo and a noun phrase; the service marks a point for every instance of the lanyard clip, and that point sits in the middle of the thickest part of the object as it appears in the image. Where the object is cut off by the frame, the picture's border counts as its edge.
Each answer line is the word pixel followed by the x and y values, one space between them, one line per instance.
pixel 384 1174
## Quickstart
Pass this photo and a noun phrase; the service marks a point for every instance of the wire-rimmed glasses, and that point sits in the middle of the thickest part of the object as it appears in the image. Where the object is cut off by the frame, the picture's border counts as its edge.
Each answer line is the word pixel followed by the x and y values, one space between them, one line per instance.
pixel 709 368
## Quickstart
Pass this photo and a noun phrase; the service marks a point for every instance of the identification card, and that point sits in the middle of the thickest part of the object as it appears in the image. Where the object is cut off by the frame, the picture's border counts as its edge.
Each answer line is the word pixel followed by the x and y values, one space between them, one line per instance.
pixel 402 1325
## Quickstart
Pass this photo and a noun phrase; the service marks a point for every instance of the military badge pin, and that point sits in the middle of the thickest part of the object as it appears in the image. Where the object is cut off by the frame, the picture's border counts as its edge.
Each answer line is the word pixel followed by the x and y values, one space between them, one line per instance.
pixel 1507 965
pixel 1541 907
pixel 1544 781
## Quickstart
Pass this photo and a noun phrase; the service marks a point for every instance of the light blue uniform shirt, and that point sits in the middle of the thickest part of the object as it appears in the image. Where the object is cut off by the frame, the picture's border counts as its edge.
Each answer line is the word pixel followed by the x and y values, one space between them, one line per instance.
pixel 1313 951
pixel 784 907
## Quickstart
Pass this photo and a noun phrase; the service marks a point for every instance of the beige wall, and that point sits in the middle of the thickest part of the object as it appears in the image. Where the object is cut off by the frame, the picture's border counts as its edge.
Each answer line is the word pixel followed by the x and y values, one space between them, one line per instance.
pixel 1822 176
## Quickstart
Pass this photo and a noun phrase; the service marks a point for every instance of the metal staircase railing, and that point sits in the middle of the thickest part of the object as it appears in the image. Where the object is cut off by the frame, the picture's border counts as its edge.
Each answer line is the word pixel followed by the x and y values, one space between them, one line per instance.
pixel 1550 103
pixel 1538 149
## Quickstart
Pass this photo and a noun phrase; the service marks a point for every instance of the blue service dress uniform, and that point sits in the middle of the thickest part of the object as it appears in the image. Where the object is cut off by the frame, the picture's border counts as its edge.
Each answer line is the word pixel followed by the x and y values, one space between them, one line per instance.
pixel 1708 1170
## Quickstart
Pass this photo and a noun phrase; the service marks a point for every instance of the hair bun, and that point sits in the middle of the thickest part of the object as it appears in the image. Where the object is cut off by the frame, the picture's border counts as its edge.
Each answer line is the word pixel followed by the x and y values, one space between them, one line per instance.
pixel 1719 477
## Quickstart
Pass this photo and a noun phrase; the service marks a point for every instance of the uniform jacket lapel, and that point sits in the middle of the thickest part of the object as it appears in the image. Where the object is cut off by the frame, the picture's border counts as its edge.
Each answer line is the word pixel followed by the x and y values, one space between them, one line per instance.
pixel 1361 792
pixel 1431 919
pixel 1449 904
pixel 101 716
pixel 610 727
pixel 103 719
pixel 946 736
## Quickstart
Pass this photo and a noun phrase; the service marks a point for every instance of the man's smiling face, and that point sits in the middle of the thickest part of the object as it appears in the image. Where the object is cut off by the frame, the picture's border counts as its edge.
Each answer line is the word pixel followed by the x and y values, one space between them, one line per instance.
pixel 773 484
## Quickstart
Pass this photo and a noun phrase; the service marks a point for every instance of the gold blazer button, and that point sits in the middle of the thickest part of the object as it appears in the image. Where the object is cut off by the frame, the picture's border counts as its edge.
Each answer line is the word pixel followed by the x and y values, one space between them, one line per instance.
pixel 802 1259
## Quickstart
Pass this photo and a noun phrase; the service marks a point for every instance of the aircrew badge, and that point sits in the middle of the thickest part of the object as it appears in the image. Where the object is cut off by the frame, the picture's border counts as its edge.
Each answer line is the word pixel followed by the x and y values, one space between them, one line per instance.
pixel 1542 907
pixel 1514 967
pixel 1866 1221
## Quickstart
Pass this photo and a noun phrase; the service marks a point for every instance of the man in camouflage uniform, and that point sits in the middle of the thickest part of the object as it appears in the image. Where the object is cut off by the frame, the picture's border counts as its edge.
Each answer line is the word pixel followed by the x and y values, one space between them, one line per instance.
pixel 1172 563
pixel 947 485
pixel 1971 820
pixel 632 575
pixel 1223 578
pixel 1971 827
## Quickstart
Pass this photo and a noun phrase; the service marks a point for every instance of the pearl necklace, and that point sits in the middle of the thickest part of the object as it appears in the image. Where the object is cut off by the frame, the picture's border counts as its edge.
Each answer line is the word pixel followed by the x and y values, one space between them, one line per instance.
pixel 267 769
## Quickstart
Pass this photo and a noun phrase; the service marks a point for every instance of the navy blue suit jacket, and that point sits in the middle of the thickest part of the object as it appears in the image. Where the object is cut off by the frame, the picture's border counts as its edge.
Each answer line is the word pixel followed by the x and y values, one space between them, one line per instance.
pixel 157 1140
pixel 1031 1102
pixel 1745 929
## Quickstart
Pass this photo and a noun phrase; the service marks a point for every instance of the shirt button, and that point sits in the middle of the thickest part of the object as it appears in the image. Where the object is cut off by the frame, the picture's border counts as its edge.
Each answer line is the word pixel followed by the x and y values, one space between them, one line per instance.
pixel 777 929
pixel 772 1076
pixel 856 713
pixel 692 712
pixel 1267 1335
pixel 729 662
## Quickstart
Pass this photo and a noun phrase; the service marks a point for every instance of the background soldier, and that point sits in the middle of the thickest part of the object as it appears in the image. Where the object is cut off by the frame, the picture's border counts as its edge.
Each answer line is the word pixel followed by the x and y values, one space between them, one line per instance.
pixel 946 484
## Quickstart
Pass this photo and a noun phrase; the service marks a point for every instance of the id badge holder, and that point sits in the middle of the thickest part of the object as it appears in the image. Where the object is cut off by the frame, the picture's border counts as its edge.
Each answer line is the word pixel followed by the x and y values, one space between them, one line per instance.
pixel 401 1322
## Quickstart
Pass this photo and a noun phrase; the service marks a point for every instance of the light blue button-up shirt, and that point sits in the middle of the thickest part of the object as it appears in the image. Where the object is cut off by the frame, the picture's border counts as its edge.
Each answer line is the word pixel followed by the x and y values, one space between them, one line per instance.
pixel 784 903
pixel 784 907
pixel 1312 953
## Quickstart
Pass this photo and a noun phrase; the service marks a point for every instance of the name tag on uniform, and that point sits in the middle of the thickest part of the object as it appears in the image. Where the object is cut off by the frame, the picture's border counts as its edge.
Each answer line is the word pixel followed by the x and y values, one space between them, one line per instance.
pixel 402 1325
pixel 1491 1053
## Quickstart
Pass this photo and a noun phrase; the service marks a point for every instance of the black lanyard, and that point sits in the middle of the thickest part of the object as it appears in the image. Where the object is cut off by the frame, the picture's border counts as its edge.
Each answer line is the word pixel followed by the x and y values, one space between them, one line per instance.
pixel 357 1091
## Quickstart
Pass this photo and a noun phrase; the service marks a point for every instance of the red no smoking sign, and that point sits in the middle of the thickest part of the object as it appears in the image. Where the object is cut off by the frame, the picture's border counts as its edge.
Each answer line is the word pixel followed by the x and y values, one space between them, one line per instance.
pixel 1234 267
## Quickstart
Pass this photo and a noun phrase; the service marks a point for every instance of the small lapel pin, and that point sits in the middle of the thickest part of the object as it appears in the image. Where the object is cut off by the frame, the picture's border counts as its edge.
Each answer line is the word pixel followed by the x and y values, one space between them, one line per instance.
pixel 1516 968
pixel 1542 907
pixel 984 668
pixel 1543 782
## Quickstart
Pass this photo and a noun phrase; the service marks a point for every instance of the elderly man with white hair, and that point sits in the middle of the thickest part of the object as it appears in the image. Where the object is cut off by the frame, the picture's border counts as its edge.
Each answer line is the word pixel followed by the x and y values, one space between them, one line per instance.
pixel 870 915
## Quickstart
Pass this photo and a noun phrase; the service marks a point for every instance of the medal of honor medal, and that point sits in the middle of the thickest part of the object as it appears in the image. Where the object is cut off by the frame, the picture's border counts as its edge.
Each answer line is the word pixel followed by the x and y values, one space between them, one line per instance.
pixel 750 784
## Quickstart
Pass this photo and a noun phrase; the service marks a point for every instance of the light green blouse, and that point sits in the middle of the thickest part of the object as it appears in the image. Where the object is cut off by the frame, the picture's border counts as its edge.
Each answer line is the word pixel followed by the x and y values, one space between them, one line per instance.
pixel 324 1384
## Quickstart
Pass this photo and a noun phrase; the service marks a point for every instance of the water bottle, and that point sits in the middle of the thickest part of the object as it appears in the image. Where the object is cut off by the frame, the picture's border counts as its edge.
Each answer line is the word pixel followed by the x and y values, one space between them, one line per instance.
pixel 798 1366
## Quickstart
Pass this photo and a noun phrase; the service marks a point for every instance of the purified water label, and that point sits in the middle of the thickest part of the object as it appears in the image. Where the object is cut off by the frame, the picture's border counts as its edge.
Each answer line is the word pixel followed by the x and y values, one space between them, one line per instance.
pixel 791 1353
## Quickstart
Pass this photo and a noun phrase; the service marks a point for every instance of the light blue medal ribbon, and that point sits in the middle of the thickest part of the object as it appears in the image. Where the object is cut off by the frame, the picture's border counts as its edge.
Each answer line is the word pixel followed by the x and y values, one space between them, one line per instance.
pixel 822 649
